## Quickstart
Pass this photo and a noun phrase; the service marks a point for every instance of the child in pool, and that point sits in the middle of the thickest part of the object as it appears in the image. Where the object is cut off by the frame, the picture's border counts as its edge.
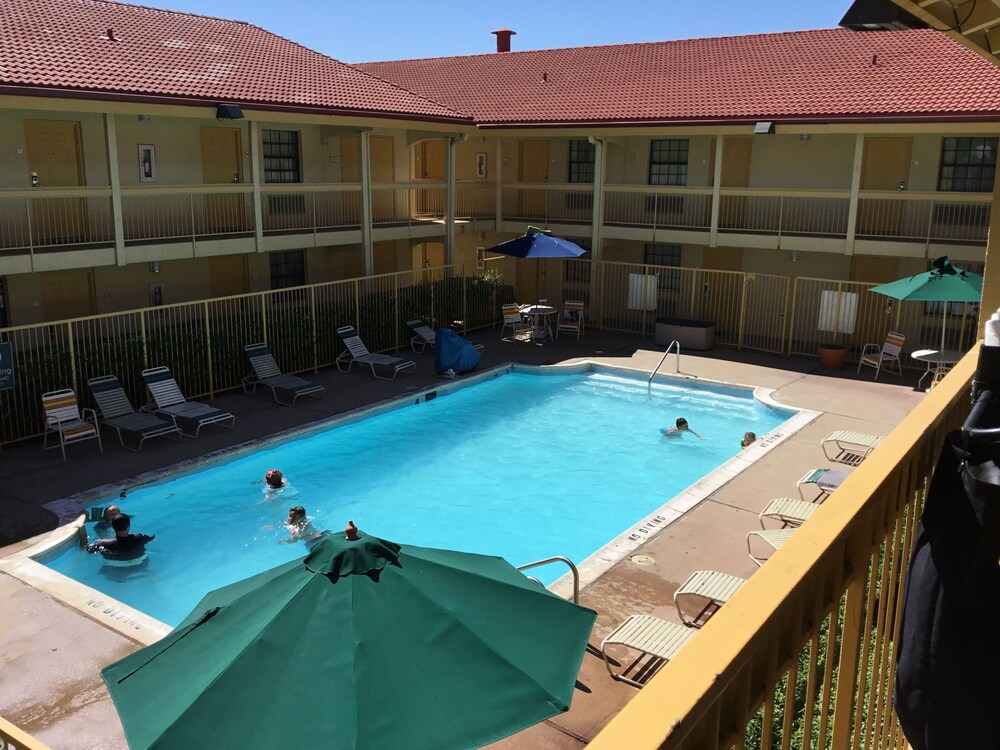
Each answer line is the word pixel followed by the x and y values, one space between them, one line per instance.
pixel 679 430
pixel 748 438
pixel 300 528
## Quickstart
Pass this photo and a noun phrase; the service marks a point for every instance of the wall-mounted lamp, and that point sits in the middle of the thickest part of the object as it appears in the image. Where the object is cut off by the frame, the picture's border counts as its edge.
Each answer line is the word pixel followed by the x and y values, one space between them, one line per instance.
pixel 794 256
pixel 143 118
pixel 154 266
pixel 901 185
pixel 228 112
pixel 763 128
pixel 804 137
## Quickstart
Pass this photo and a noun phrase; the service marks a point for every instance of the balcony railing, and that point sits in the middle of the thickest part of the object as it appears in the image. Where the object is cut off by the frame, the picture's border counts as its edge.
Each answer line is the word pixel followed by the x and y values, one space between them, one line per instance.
pixel 47 218
pixel 309 208
pixel 188 212
pixel 407 204
pixel 803 654
pixel 658 207
pixel 548 203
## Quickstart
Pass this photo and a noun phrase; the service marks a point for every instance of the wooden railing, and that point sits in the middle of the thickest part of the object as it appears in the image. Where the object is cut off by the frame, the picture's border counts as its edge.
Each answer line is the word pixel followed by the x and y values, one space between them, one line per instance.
pixel 803 654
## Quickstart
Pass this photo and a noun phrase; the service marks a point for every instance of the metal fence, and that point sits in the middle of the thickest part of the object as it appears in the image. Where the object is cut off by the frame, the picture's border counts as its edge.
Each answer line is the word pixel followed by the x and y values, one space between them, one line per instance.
pixel 202 342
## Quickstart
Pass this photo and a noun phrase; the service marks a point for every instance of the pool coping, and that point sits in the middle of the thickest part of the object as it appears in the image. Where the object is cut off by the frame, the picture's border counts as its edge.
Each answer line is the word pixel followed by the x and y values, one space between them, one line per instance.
pixel 143 629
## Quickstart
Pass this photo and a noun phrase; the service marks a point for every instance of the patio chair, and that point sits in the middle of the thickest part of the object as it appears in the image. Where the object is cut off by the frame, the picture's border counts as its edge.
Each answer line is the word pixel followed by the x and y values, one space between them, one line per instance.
pixel 883 356
pixel 357 352
pixel 824 480
pixel 571 319
pixel 423 335
pixel 772 539
pixel 189 416
pixel 115 411
pixel 267 373
pixel 787 510
pixel 514 320
pixel 710 585
pixel 651 636
pixel 851 448
pixel 63 417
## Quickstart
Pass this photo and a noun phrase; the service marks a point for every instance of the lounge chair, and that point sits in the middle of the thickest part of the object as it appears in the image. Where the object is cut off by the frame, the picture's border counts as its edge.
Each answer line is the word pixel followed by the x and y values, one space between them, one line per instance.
pixel 714 587
pixel 851 448
pixel 883 356
pixel 189 416
pixel 116 412
pixel 787 510
pixel 267 373
pixel 825 480
pixel 423 335
pixel 651 636
pixel 358 352
pixel 772 538
pixel 63 417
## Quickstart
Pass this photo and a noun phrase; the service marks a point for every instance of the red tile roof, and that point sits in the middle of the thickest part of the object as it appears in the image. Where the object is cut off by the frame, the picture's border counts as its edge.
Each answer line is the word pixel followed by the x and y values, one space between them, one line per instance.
pixel 63 45
pixel 824 75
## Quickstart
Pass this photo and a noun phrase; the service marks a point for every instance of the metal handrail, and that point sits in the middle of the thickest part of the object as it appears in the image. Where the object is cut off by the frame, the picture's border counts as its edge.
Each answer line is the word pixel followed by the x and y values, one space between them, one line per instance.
pixel 673 343
pixel 572 569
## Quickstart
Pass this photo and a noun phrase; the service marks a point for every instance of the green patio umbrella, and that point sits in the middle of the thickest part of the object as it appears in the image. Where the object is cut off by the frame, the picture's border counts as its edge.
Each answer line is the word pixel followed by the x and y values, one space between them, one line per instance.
pixel 362 644
pixel 943 283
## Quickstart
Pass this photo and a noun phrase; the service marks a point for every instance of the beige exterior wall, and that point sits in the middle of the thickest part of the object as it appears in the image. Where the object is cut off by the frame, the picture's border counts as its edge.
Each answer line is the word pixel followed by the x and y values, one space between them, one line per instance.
pixel 14 172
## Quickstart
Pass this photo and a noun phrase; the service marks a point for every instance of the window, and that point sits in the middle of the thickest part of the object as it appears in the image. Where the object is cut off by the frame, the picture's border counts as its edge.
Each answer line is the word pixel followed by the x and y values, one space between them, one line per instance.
pixel 281 156
pixel 668 162
pixel 288 268
pixel 581 161
pixel 660 254
pixel 968 165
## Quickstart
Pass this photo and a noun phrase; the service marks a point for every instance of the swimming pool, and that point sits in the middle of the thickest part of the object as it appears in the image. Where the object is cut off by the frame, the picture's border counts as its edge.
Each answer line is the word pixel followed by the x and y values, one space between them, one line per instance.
pixel 522 465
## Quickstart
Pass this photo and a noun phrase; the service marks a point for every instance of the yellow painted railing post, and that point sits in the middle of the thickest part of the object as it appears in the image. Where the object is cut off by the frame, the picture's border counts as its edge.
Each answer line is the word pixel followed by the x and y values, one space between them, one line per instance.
pixel 142 338
pixel 315 339
pixel 263 317
pixel 743 312
pixel 791 324
pixel 72 354
pixel 208 352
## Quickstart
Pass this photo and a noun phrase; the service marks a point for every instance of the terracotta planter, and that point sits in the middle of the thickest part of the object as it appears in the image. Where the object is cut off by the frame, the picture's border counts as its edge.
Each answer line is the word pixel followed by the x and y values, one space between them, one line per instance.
pixel 832 356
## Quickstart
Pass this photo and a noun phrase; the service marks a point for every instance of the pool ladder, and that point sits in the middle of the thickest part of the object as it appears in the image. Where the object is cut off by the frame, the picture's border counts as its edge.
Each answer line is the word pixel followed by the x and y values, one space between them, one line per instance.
pixel 673 344
pixel 546 561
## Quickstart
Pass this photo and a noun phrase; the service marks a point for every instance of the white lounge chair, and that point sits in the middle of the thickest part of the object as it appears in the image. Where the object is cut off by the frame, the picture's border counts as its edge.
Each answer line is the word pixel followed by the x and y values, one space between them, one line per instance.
pixel 267 373
pixel 63 417
pixel 170 402
pixel 514 320
pixel 651 636
pixel 851 448
pixel 772 538
pixel 787 510
pixel 571 319
pixel 710 585
pixel 824 480
pixel 357 352
pixel 424 335
pixel 116 412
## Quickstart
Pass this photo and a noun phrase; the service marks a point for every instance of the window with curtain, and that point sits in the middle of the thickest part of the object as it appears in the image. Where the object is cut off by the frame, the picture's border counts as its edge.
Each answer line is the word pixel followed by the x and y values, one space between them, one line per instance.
pixel 282 165
pixel 668 161
pixel 968 165
pixel 288 268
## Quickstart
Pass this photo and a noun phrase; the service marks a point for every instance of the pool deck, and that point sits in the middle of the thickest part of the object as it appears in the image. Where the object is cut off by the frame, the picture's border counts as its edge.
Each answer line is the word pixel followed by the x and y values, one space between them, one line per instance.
pixel 51 655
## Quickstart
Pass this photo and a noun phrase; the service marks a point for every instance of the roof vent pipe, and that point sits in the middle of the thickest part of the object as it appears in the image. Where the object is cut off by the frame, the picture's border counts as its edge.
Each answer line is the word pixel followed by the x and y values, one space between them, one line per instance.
pixel 503 39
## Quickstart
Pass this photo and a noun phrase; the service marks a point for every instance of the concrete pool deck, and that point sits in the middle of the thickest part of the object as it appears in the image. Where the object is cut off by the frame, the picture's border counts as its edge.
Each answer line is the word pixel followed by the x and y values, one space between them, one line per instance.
pixel 51 655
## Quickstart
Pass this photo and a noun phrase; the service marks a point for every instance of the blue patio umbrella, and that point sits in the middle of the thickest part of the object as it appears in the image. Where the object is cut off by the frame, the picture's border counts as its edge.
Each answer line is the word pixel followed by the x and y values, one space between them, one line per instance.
pixel 538 243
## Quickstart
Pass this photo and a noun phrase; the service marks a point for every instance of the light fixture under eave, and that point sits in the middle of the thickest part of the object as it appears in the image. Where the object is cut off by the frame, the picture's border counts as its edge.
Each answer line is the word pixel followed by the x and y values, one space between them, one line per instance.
pixel 763 128
pixel 143 118
pixel 154 266
pixel 228 112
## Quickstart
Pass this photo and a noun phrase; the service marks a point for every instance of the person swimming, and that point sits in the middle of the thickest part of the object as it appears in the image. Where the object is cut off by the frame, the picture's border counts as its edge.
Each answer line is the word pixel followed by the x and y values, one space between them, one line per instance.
pixel 300 528
pixel 748 438
pixel 679 430
pixel 124 548
pixel 276 485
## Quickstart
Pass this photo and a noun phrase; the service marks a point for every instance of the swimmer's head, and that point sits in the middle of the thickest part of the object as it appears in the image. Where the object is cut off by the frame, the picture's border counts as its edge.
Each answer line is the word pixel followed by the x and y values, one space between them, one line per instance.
pixel 110 512
pixel 121 523
pixel 681 422
pixel 296 513
pixel 274 478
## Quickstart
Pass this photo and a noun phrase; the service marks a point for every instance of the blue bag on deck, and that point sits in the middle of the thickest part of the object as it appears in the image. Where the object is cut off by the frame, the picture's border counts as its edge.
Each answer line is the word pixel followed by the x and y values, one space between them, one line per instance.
pixel 452 352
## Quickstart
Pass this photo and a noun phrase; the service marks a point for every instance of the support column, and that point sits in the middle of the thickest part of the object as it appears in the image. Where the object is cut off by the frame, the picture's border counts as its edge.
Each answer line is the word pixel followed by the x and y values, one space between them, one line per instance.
pixel 498 171
pixel 991 273
pixel 111 139
pixel 368 254
pixel 255 172
pixel 449 197
pixel 713 234
pixel 852 209
pixel 597 219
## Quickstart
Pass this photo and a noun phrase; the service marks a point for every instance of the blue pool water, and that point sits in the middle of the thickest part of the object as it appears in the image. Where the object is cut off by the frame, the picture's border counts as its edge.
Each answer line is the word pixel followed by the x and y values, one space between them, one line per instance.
pixel 525 466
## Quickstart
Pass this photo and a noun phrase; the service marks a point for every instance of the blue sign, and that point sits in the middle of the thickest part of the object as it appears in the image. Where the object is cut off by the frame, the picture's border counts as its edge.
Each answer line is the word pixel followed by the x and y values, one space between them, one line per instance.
pixel 6 366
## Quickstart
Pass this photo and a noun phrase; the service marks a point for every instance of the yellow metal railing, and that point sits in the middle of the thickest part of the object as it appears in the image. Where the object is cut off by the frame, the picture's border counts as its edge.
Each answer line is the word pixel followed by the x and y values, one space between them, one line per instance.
pixel 803 654
pixel 12 738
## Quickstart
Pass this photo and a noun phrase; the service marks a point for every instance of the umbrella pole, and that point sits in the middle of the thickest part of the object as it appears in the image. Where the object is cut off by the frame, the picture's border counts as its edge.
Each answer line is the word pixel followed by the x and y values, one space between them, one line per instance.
pixel 944 322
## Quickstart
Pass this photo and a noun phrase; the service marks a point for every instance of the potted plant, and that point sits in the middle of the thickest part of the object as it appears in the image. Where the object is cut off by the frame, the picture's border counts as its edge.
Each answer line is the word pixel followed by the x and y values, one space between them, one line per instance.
pixel 838 313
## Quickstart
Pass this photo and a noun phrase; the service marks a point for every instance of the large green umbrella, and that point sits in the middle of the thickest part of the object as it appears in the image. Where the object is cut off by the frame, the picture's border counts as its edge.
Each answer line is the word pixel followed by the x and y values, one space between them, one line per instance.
pixel 362 644
pixel 943 283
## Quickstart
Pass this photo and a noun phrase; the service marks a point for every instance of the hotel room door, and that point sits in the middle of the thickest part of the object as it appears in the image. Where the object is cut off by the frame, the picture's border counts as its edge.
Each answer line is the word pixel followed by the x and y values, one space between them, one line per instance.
pixel 220 165
pixel 55 156
pixel 885 165
pixel 533 166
